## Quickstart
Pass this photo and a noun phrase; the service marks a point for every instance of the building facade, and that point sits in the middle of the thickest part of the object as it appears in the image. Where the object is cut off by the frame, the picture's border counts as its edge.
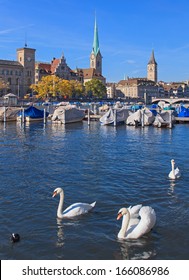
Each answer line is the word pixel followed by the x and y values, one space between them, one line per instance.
pixel 138 88
pixel 19 74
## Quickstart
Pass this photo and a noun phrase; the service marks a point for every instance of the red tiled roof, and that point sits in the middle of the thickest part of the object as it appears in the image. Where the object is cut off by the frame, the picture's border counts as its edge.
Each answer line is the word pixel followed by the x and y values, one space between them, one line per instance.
pixel 54 64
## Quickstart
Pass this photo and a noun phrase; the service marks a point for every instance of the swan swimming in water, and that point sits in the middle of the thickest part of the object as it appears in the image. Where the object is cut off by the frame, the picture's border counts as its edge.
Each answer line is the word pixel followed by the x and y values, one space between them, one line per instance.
pixel 73 210
pixel 137 221
pixel 174 173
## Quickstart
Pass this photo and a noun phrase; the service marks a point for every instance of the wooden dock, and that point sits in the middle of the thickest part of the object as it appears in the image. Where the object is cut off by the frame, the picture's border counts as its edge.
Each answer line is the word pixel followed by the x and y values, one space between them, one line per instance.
pixel 92 117
pixel 182 119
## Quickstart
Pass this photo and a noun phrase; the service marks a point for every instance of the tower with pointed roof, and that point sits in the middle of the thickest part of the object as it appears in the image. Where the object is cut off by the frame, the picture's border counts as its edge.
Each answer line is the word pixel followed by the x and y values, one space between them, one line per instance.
pixel 96 57
pixel 152 68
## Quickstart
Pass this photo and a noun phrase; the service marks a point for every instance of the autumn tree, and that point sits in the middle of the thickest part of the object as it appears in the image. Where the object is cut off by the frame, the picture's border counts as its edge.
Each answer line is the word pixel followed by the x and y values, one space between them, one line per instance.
pixel 53 86
pixel 3 85
pixel 47 87
pixel 95 88
pixel 77 88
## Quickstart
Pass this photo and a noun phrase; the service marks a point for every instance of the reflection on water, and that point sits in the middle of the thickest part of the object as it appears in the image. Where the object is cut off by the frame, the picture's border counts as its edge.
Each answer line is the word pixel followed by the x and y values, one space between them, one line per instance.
pixel 115 166
pixel 136 249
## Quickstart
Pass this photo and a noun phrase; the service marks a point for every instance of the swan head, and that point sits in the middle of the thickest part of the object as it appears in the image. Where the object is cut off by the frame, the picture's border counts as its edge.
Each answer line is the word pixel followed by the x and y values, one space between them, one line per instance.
pixel 57 191
pixel 173 161
pixel 121 212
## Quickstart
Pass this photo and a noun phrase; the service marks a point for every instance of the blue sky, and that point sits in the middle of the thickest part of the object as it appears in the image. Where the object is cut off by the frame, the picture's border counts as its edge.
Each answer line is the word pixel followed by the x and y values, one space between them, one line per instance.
pixel 128 31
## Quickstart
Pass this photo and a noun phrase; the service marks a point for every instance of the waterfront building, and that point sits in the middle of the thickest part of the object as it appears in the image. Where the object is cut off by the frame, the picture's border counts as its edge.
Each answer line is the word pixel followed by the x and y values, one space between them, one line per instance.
pixel 138 88
pixel 174 89
pixel 111 90
pixel 25 71
pixel 57 67
pixel 19 74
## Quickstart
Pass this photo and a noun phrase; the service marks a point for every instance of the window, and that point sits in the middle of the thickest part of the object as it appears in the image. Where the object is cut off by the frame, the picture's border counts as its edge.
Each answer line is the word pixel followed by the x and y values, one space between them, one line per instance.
pixel 9 81
pixel 17 81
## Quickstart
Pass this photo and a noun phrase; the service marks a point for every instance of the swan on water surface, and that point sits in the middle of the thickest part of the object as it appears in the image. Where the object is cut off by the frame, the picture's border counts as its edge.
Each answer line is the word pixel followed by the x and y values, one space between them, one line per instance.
pixel 137 221
pixel 174 173
pixel 73 210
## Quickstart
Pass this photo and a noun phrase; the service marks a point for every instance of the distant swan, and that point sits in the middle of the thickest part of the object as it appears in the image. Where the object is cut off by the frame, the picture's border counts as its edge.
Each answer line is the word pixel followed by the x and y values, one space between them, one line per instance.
pixel 137 221
pixel 175 173
pixel 73 210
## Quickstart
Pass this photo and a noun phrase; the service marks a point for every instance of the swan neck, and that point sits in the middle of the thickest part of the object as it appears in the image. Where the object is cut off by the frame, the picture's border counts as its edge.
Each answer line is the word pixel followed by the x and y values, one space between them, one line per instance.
pixel 60 206
pixel 125 223
pixel 173 169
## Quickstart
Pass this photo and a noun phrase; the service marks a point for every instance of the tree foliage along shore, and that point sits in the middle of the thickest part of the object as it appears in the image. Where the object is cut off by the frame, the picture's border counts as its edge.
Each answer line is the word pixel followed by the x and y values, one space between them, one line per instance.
pixel 53 87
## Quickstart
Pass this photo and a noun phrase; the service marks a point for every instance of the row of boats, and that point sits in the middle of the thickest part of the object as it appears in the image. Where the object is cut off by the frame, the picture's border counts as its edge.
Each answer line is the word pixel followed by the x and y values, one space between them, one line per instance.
pixel 113 115
pixel 141 117
pixel 61 114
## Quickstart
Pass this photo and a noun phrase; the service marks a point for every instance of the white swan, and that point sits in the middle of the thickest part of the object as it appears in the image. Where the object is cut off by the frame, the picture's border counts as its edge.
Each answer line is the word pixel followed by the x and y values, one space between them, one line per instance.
pixel 174 173
pixel 137 221
pixel 73 210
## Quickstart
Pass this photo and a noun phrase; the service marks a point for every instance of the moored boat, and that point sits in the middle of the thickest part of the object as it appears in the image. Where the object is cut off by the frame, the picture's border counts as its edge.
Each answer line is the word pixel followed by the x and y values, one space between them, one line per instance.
pixel 8 114
pixel 114 116
pixel 32 114
pixel 68 114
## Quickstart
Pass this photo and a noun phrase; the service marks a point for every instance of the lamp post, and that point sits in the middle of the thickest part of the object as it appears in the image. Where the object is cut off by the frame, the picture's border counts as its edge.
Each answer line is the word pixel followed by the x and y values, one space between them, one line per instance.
pixel 145 96
pixel 18 89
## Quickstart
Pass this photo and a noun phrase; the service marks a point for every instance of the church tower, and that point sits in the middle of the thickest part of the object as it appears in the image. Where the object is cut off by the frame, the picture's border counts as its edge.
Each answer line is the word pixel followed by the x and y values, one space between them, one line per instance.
pixel 152 68
pixel 26 57
pixel 96 57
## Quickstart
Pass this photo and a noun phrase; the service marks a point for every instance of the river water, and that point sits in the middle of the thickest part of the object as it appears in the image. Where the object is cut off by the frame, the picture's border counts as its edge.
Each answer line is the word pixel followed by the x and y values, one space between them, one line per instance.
pixel 116 167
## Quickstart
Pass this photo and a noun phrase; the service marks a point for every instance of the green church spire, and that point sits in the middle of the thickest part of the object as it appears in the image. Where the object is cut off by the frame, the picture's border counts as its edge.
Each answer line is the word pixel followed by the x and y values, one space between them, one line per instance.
pixel 96 48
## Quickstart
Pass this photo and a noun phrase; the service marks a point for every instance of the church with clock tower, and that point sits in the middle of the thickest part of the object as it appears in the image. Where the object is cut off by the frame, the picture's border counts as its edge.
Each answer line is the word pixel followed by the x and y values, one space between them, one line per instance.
pixel 95 70
pixel 96 57
pixel 152 68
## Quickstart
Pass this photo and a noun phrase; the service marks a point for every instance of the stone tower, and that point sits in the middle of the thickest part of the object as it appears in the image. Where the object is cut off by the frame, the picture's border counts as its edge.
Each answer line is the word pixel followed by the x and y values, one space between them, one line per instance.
pixel 152 68
pixel 96 57
pixel 26 57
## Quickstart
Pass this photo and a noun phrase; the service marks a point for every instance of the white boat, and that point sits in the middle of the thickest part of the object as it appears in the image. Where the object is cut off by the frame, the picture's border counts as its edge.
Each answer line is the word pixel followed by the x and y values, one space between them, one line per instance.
pixel 164 119
pixel 140 117
pixel 68 114
pixel 8 114
pixel 116 115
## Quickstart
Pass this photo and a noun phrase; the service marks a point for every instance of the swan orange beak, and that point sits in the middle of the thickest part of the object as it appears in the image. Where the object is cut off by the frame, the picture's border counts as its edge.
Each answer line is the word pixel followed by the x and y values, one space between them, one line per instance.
pixel 119 216
pixel 54 194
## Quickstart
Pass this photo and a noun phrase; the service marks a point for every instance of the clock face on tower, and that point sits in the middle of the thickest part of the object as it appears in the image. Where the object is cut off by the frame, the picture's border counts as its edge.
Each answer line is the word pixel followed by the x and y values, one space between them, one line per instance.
pixel 29 58
pixel 92 56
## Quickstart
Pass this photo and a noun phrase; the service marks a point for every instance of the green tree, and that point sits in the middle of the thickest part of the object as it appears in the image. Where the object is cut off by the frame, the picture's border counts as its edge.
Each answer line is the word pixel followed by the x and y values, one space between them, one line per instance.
pixel 95 88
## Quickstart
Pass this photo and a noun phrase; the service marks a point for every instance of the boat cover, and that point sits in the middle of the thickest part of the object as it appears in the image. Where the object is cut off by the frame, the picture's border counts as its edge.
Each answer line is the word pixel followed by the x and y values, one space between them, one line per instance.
pixel 11 113
pixel 184 112
pixel 136 117
pixel 34 113
pixel 109 117
pixel 68 114
pixel 163 118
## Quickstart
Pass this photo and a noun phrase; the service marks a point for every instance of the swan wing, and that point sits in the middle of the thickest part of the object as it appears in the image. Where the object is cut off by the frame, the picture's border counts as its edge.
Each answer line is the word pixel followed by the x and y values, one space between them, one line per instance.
pixel 177 172
pixel 146 223
pixel 134 210
pixel 77 209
